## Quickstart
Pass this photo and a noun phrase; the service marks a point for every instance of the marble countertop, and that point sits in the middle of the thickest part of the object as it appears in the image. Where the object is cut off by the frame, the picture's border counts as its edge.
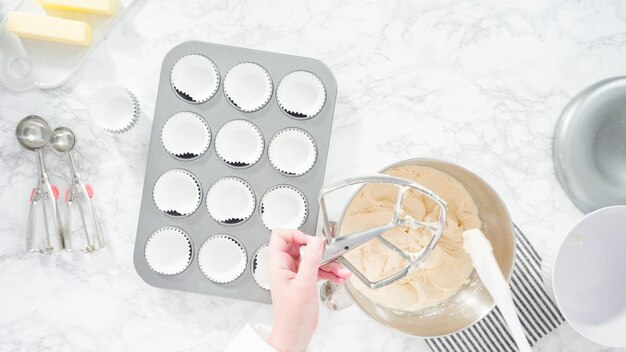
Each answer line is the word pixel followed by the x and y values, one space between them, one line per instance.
pixel 480 83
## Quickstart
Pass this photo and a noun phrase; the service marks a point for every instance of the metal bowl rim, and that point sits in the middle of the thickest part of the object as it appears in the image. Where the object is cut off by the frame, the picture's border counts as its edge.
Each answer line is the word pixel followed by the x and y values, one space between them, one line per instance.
pixel 507 276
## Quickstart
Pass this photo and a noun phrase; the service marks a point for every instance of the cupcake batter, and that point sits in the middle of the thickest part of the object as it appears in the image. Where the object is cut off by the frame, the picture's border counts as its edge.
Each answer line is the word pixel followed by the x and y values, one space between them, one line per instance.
pixel 447 268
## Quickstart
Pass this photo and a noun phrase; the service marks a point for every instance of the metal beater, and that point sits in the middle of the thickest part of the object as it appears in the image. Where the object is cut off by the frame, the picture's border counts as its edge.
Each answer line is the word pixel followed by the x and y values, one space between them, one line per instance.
pixel 336 246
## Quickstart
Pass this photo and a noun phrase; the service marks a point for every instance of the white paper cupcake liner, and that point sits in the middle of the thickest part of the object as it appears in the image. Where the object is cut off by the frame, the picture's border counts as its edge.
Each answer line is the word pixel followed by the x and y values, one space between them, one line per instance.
pixel 230 201
pixel 177 193
pixel 301 94
pixel 292 152
pixel 168 251
pixel 222 259
pixel 195 78
pixel 283 207
pixel 186 135
pixel 115 109
pixel 239 143
pixel 260 267
pixel 248 86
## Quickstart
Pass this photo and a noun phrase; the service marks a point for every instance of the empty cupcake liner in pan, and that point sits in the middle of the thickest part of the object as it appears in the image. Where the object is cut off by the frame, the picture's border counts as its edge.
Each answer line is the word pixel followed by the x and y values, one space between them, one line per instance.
pixel 177 193
pixel 283 207
pixel 260 267
pixel 230 201
pixel 292 151
pixel 195 78
pixel 238 148
pixel 239 143
pixel 186 135
pixel 301 94
pixel 222 259
pixel 248 86
pixel 168 251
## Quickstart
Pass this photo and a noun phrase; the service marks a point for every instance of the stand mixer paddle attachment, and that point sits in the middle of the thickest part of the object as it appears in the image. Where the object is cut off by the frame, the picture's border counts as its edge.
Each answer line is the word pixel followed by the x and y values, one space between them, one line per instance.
pixel 87 236
pixel 44 231
pixel 337 246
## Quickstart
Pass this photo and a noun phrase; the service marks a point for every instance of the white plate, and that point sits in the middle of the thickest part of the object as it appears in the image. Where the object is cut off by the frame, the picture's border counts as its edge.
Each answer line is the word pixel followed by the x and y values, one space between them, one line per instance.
pixel 589 276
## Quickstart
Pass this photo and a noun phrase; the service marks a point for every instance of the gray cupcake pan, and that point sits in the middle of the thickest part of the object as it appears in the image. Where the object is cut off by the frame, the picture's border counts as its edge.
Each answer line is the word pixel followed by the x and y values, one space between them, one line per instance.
pixel 208 168
pixel 590 146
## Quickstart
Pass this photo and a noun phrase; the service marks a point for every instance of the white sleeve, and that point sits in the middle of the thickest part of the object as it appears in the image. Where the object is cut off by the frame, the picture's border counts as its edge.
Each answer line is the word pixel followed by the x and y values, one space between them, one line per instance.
pixel 251 339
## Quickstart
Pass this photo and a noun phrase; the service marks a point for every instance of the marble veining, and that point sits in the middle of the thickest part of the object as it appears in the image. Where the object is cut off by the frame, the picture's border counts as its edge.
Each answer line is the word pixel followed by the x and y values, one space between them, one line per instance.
pixel 476 82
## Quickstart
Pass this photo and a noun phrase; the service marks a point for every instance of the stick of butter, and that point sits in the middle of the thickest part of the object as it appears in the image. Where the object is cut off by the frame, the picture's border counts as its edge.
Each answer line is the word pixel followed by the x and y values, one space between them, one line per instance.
pixel 98 7
pixel 52 29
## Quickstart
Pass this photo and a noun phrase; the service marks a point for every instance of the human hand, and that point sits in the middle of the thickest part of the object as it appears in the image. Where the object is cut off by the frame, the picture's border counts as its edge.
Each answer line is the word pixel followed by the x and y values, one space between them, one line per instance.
pixel 294 290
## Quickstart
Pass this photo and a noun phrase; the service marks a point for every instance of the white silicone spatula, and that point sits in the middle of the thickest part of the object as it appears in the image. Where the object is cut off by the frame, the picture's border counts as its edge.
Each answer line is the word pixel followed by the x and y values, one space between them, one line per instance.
pixel 479 249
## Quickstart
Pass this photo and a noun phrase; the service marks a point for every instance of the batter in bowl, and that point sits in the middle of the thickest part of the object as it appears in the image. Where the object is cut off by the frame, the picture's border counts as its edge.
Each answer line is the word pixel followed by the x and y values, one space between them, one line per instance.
pixel 447 268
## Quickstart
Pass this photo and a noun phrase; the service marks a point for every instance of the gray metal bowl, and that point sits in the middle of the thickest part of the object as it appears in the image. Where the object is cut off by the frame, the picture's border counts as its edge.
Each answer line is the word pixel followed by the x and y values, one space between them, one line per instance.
pixel 473 301
pixel 589 147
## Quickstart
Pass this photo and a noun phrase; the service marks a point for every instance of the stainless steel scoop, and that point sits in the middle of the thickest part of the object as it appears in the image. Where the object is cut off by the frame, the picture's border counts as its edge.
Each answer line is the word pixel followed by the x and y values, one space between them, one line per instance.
pixel 89 236
pixel 336 247
pixel 33 133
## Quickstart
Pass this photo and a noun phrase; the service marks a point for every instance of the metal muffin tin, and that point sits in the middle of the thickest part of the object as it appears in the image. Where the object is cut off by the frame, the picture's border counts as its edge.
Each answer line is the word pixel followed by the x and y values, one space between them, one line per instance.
pixel 208 168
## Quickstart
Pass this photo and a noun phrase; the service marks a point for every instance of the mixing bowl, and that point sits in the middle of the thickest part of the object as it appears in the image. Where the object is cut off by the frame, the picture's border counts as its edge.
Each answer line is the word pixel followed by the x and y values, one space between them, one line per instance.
pixel 589 276
pixel 590 145
pixel 473 301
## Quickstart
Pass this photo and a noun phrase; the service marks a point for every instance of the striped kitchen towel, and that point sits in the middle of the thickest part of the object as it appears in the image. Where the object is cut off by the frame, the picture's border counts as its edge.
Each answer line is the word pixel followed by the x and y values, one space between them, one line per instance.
pixel 538 313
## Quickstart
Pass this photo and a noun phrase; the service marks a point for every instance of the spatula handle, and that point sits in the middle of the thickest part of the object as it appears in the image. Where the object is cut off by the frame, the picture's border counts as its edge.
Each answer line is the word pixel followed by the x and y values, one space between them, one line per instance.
pixel 478 247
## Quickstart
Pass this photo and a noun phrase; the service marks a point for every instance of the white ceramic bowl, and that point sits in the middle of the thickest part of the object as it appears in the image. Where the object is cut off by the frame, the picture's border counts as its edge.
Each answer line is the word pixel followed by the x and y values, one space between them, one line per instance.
pixel 589 276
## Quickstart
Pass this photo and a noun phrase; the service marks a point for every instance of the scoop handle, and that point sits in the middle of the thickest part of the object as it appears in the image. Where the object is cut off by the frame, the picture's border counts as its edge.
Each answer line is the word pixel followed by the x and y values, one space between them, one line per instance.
pixel 44 231
pixel 79 196
pixel 479 249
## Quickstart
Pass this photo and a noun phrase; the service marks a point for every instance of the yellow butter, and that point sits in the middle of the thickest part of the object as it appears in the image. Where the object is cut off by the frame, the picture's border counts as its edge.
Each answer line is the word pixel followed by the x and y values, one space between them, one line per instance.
pixel 99 7
pixel 51 29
